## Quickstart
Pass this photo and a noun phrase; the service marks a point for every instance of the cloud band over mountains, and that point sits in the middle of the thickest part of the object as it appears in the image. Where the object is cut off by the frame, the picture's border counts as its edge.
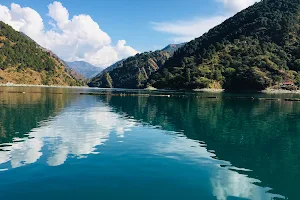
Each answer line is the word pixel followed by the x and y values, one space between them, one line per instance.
pixel 76 38
pixel 80 38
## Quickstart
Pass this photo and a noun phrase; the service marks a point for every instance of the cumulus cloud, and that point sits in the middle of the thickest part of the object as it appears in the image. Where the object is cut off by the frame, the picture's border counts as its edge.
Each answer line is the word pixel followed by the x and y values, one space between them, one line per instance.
pixel 184 31
pixel 76 38
pixel 59 13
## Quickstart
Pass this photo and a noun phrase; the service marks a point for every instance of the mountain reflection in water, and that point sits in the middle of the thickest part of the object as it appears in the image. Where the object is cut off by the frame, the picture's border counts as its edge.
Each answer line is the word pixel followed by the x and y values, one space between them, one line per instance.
pixel 162 144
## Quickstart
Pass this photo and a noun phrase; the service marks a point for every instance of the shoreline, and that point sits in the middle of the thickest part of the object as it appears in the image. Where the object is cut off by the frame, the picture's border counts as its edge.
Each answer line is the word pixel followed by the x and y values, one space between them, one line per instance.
pixel 44 86
pixel 209 90
pixel 279 91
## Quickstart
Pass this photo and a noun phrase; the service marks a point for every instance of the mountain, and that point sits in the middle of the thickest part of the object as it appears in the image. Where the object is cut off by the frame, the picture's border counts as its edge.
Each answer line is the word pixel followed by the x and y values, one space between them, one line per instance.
pixel 171 48
pixel 257 48
pixel 134 71
pixel 75 74
pixel 22 61
pixel 112 67
pixel 84 68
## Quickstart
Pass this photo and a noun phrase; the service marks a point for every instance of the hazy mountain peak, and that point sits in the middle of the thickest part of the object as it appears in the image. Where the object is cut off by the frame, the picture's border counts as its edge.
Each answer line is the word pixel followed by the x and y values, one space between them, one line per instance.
pixel 84 68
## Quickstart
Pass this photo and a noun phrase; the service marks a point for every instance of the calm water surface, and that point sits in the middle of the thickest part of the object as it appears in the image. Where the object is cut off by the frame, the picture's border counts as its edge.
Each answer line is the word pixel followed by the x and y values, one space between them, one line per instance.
pixel 57 144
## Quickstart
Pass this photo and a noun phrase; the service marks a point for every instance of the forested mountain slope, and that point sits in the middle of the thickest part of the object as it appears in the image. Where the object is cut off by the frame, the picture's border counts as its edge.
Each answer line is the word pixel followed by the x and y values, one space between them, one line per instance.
pixel 257 48
pixel 134 71
pixel 22 61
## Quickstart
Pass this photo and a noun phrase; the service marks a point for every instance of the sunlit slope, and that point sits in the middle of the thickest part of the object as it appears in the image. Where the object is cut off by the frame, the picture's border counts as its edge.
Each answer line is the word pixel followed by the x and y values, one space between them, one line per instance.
pixel 255 49
pixel 22 61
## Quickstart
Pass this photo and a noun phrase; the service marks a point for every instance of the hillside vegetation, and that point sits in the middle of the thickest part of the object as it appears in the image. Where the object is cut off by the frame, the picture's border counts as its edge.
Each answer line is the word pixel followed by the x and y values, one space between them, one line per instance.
pixel 257 48
pixel 22 61
pixel 133 72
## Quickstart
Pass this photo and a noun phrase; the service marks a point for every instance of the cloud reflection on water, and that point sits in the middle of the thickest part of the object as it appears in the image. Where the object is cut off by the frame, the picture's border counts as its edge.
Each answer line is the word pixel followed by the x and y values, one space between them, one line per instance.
pixel 224 182
pixel 74 132
pixel 78 131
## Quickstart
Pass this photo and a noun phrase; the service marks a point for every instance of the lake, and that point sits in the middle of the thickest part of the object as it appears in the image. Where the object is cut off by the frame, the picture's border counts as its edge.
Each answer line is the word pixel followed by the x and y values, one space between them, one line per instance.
pixel 58 144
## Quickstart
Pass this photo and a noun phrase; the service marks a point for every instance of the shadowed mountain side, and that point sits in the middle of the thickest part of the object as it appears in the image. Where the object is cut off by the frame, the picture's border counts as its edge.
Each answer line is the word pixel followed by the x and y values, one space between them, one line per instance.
pixel 134 71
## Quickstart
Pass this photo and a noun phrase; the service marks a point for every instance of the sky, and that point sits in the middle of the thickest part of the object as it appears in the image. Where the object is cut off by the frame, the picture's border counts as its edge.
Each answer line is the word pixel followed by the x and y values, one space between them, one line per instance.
pixel 102 32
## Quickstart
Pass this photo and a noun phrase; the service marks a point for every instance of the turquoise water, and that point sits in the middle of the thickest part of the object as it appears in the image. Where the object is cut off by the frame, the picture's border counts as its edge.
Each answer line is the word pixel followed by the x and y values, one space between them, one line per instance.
pixel 57 144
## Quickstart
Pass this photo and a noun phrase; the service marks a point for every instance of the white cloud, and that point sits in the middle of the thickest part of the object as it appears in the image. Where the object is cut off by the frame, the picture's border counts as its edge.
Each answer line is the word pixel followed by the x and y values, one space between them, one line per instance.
pixel 184 31
pixel 59 13
pixel 76 38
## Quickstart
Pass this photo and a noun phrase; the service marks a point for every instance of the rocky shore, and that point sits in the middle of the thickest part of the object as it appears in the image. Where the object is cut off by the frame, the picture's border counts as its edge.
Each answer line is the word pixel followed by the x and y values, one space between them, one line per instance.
pixel 280 91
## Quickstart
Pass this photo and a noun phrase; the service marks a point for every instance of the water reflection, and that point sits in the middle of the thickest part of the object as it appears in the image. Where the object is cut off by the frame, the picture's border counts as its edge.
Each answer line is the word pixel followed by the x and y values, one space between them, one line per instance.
pixel 262 136
pixel 224 183
pixel 233 184
pixel 161 148
pixel 64 136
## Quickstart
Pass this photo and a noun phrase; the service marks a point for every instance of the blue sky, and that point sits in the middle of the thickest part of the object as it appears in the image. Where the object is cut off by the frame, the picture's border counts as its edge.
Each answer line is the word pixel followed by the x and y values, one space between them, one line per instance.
pixel 131 19
pixel 144 24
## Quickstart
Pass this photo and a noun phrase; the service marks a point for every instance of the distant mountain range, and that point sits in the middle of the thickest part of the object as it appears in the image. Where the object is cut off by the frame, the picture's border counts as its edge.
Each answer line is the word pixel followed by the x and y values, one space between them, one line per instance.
pixel 257 48
pixel 23 61
pixel 134 71
pixel 84 68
